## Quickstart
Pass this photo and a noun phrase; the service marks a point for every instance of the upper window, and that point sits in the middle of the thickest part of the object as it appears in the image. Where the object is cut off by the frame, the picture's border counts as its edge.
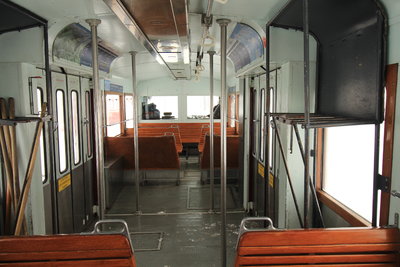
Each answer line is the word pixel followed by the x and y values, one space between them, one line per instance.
pixel 198 107
pixel 88 123
pixel 159 107
pixel 62 140
pixel 75 126
pixel 41 144
pixel 129 111
pixel 113 114
pixel 348 165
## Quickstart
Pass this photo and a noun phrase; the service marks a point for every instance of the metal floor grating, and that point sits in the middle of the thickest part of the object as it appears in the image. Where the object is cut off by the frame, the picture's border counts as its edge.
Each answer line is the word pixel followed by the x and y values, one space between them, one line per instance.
pixel 147 241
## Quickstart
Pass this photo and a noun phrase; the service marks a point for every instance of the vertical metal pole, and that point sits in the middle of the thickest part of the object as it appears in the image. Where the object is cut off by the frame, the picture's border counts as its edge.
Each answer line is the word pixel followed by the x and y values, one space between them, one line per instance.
pixel 211 54
pixel 136 130
pixel 223 24
pixel 98 118
pixel 50 132
pixel 267 109
pixel 306 114
pixel 376 172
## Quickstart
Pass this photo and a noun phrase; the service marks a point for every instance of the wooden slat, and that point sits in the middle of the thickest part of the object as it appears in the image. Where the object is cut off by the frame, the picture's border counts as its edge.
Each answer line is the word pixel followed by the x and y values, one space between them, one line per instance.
pixel 77 263
pixel 344 248
pixel 320 259
pixel 331 265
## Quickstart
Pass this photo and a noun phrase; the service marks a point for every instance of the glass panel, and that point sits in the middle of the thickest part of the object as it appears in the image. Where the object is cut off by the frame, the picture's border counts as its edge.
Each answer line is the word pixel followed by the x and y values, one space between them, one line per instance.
pixel 75 126
pixel 232 111
pixel 262 127
pixel 88 123
pixel 129 111
pixel 39 99
pixel 348 166
pixel 271 109
pixel 198 107
pixel 253 122
pixel 62 141
pixel 159 107
pixel 113 114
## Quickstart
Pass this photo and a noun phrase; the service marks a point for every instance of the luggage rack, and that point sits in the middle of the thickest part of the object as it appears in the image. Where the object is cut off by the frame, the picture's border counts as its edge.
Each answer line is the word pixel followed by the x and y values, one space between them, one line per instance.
pixel 318 120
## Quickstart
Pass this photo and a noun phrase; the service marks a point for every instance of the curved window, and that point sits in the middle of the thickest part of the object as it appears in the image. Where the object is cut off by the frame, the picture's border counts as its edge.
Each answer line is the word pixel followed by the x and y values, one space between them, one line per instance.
pixel 61 130
pixel 75 126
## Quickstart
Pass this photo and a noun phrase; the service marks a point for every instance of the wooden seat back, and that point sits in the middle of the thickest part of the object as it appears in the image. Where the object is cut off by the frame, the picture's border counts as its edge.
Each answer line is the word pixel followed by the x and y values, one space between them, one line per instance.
pixel 67 250
pixel 320 247
pixel 232 153
pixel 155 152
pixel 160 131
pixel 217 131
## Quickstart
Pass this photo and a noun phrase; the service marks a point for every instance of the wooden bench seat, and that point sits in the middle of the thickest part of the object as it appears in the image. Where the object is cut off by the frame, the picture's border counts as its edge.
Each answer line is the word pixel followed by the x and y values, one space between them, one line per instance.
pixel 109 250
pixel 232 153
pixel 160 131
pixel 217 131
pixel 155 152
pixel 319 247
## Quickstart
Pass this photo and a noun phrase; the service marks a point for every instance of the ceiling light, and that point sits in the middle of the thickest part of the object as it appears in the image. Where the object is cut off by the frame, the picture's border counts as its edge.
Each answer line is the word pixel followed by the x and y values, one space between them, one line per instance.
pixel 222 1
pixel 160 60
pixel 186 56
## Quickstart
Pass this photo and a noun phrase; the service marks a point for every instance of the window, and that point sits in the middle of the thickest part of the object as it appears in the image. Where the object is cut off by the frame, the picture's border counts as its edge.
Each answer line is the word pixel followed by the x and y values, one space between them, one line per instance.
pixel 348 163
pixel 62 140
pixel 88 123
pixel 129 111
pixel 253 122
pixel 75 126
pixel 159 107
pixel 198 107
pixel 232 110
pixel 262 126
pixel 41 144
pixel 113 114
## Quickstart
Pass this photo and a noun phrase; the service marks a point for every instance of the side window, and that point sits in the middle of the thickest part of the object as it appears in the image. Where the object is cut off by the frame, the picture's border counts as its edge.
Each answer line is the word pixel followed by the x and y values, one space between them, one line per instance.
pixel 129 111
pixel 39 93
pixel 88 123
pixel 262 125
pixel 75 126
pixel 348 162
pixel 254 121
pixel 159 107
pixel 62 138
pixel 113 114
pixel 198 107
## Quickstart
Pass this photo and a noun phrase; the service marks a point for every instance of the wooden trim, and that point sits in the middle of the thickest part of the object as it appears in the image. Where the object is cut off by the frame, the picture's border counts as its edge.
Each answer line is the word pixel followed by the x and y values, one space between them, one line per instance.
pixel 388 143
pixel 319 151
pixel 343 211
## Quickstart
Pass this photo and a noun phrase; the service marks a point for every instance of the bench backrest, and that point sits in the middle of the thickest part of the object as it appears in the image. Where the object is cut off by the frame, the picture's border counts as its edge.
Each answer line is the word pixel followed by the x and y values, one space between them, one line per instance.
pixel 322 247
pixel 66 250
pixel 232 153
pixel 217 131
pixel 155 152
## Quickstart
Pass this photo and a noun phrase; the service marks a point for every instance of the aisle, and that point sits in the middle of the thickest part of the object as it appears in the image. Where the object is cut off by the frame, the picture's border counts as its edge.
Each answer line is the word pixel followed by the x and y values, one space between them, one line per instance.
pixel 176 227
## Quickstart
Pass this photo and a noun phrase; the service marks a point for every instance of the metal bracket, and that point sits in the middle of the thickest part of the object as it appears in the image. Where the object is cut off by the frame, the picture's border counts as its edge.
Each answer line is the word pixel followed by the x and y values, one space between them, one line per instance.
pixel 395 193
pixel 396 220
pixel 206 21
pixel 383 183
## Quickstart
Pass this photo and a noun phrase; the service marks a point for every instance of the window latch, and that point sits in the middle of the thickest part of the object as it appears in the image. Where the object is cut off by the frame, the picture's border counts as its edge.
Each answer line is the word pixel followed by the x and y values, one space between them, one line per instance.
pixel 383 183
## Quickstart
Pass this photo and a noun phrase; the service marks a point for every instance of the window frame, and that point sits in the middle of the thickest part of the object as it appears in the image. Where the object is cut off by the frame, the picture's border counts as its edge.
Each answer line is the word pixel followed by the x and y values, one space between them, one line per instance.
pixel 262 123
pixel 121 111
pixel 43 150
pixel 65 133
pixel 78 130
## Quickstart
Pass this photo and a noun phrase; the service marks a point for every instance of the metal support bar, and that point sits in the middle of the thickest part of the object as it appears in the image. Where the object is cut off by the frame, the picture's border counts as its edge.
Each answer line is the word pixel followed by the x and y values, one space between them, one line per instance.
pixel 223 107
pixel 288 173
pixel 98 119
pixel 212 201
pixel 312 187
pixel 136 130
pixel 306 113
pixel 267 109
pixel 50 132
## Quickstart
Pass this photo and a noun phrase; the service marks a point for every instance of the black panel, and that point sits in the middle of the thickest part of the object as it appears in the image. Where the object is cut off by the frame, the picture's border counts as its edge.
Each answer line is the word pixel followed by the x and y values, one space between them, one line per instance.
pixel 78 198
pixel 351 51
pixel 48 209
pixel 14 17
pixel 88 167
pixel 65 218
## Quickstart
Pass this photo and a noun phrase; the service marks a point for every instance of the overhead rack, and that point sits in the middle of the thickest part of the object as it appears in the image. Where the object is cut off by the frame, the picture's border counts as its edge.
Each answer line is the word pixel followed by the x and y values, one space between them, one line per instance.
pixel 351 48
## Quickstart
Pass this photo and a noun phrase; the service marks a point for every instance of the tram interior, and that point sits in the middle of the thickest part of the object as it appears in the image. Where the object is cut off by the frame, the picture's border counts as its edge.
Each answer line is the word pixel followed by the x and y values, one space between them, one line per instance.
pixel 118 110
